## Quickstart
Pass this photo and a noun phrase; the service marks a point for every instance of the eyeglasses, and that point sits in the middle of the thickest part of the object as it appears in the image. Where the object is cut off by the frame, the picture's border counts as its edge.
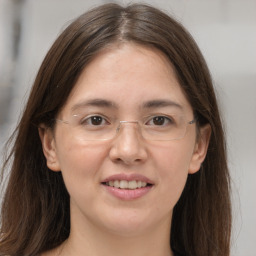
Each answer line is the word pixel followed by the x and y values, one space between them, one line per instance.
pixel 96 127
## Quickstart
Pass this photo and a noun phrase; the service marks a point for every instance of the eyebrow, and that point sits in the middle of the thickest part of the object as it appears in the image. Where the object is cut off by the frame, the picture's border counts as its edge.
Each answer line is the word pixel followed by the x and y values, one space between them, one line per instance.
pixel 161 103
pixel 94 102
pixel 110 104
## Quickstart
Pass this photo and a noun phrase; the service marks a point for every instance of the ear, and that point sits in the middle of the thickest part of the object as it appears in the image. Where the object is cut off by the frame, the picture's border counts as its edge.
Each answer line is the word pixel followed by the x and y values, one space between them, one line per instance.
pixel 200 149
pixel 49 147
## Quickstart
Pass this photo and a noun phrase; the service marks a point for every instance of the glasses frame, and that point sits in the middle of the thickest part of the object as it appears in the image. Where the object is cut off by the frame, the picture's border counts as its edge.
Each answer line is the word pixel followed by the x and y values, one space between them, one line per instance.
pixel 134 121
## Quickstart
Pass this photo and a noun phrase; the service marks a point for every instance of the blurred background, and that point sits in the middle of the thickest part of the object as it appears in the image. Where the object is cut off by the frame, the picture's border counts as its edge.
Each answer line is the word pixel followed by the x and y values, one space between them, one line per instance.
pixel 225 30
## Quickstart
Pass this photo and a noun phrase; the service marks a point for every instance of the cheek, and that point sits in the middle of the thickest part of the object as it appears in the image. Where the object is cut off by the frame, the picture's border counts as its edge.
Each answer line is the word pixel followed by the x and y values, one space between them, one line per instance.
pixel 173 158
pixel 172 163
pixel 80 163
pixel 74 155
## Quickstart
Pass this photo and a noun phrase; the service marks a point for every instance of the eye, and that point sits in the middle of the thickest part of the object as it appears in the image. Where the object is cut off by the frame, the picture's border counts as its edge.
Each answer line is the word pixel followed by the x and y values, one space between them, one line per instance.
pixel 94 121
pixel 160 121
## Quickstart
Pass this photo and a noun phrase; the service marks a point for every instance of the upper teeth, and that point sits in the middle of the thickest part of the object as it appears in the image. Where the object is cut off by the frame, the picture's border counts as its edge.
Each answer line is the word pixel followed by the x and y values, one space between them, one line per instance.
pixel 133 184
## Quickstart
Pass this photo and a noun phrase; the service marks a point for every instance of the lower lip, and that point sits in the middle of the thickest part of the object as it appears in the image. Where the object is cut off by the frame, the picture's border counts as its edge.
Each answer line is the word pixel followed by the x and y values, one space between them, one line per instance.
pixel 128 194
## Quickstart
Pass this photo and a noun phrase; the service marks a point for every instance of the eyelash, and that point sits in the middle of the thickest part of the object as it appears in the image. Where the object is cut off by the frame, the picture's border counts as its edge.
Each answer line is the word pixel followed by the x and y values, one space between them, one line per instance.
pixel 88 120
pixel 167 120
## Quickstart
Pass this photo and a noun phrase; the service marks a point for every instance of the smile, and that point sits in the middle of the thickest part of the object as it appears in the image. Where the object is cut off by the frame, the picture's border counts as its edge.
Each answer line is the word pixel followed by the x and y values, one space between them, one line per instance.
pixel 124 184
pixel 127 187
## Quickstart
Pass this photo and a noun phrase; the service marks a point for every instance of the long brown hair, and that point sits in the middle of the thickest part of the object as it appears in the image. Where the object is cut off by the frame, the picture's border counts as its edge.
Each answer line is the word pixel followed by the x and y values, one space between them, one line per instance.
pixel 35 210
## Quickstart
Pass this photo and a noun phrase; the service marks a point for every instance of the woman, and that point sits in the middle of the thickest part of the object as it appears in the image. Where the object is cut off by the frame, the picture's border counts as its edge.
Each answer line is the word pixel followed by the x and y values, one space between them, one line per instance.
pixel 120 149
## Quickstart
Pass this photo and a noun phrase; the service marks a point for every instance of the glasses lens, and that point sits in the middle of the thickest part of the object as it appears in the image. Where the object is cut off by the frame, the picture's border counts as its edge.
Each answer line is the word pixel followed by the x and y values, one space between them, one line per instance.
pixel 158 128
pixel 165 128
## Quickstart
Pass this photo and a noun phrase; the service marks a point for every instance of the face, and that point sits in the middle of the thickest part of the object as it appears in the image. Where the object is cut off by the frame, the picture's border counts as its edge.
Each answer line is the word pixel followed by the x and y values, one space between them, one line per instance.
pixel 125 82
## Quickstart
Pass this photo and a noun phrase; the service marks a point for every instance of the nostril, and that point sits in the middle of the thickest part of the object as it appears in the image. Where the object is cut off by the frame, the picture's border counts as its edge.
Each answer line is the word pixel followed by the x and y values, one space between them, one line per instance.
pixel 127 161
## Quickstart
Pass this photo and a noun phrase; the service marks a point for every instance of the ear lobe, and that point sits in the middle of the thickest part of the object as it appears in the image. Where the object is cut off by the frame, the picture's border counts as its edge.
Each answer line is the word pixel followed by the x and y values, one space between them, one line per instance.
pixel 49 147
pixel 200 149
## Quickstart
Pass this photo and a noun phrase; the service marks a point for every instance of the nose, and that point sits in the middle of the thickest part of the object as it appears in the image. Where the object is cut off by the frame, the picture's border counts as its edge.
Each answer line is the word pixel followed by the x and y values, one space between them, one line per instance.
pixel 128 147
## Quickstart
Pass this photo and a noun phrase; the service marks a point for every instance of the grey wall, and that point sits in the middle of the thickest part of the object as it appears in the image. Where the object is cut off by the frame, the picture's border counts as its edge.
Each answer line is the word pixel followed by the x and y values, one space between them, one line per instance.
pixel 226 33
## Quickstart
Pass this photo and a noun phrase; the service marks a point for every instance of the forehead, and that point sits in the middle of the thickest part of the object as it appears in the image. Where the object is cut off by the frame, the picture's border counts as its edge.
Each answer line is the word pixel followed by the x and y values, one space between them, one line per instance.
pixel 128 75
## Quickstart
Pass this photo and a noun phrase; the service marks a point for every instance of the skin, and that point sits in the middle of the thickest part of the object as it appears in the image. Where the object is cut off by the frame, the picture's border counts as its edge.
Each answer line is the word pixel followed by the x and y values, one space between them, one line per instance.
pixel 101 224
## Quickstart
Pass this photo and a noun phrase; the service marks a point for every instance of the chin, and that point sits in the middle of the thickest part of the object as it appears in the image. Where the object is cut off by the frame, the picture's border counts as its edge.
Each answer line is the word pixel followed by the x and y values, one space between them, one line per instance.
pixel 128 222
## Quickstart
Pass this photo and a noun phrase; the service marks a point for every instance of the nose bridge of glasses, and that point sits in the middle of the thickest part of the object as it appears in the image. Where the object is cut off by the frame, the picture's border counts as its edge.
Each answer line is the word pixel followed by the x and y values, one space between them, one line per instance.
pixel 121 123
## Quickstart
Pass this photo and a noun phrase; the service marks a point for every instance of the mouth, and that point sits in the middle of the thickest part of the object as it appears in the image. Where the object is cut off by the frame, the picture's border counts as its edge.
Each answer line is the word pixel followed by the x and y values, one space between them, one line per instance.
pixel 125 184
pixel 127 187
